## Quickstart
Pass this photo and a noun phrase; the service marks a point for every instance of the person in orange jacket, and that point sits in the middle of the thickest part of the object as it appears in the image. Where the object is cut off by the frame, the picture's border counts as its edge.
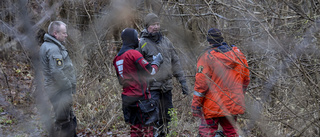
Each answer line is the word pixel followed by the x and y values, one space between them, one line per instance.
pixel 220 83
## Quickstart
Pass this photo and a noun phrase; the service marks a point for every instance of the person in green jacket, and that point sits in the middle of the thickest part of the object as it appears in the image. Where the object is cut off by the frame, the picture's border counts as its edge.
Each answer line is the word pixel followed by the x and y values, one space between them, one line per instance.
pixel 151 43
pixel 59 78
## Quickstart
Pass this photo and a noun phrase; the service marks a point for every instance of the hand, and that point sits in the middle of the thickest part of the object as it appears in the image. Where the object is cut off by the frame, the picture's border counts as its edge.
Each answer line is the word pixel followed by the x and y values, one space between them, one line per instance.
pixel 185 90
pixel 74 88
pixel 157 60
pixel 197 112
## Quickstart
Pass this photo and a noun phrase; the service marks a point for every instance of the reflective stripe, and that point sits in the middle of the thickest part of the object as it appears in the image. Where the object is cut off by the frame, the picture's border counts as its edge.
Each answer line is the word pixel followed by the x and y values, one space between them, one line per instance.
pixel 143 45
pixel 198 94
pixel 153 71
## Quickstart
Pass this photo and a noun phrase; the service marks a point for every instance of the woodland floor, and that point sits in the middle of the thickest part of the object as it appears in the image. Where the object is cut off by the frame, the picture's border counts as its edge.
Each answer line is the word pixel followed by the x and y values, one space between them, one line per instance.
pixel 18 113
pixel 19 116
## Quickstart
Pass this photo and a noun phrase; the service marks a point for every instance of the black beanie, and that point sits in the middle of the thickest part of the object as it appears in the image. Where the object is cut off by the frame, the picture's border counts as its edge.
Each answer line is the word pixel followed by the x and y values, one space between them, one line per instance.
pixel 150 19
pixel 129 37
pixel 214 36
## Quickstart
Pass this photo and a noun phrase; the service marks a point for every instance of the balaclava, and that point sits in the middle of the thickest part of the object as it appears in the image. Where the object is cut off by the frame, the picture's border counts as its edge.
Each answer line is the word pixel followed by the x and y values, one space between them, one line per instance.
pixel 129 37
pixel 130 40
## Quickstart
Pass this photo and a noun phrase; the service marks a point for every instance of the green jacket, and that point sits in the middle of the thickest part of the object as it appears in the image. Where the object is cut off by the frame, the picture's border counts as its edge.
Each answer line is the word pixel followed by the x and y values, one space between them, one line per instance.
pixel 149 47
pixel 58 71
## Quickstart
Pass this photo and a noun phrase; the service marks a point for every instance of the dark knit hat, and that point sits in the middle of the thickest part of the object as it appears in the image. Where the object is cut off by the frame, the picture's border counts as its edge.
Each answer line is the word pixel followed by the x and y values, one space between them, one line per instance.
pixel 150 19
pixel 129 37
pixel 214 36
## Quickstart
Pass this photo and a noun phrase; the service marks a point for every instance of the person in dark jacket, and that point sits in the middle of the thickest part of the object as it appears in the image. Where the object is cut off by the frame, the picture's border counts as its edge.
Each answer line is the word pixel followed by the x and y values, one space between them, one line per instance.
pixel 59 78
pixel 151 43
pixel 221 81
pixel 132 70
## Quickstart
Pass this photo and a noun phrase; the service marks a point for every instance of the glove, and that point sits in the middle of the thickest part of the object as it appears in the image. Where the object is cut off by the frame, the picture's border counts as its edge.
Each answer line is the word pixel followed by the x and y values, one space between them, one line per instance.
pixel 157 60
pixel 197 111
pixel 185 90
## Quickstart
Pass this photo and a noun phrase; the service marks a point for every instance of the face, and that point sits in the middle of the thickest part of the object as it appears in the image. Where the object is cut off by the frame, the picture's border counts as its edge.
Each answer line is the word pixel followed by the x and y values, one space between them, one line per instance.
pixel 61 34
pixel 155 27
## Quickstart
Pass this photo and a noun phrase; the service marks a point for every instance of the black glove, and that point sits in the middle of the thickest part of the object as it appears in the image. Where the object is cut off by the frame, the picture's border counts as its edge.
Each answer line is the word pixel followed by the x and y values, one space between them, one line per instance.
pixel 184 86
pixel 157 60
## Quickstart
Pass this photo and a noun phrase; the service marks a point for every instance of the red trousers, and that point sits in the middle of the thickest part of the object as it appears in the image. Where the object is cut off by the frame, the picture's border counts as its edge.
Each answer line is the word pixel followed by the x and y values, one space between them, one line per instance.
pixel 208 127
pixel 141 131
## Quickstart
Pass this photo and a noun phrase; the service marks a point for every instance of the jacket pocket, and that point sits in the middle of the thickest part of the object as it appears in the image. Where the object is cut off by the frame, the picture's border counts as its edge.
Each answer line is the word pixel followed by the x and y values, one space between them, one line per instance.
pixel 146 106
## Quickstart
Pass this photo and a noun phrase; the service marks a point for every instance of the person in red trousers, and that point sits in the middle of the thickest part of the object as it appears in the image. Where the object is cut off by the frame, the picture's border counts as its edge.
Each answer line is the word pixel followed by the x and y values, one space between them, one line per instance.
pixel 221 80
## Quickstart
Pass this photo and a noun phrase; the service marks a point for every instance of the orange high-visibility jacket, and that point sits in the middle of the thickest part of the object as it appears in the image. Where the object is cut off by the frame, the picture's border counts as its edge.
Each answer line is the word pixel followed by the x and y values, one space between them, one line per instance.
pixel 221 80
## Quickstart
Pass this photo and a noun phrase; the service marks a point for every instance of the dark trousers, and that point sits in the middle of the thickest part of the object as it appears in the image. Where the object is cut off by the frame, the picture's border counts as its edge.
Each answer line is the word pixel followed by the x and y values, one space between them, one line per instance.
pixel 208 127
pixel 164 103
pixel 135 117
pixel 65 121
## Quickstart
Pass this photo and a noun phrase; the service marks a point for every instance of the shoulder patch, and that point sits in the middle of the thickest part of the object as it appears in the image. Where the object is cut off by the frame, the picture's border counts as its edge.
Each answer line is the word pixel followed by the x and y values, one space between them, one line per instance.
pixel 59 62
pixel 144 45
pixel 200 69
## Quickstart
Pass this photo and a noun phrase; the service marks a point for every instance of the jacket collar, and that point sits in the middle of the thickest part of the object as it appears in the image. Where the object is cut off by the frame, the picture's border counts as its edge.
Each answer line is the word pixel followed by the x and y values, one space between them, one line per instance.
pixel 124 49
pixel 49 38
pixel 223 47
pixel 155 37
